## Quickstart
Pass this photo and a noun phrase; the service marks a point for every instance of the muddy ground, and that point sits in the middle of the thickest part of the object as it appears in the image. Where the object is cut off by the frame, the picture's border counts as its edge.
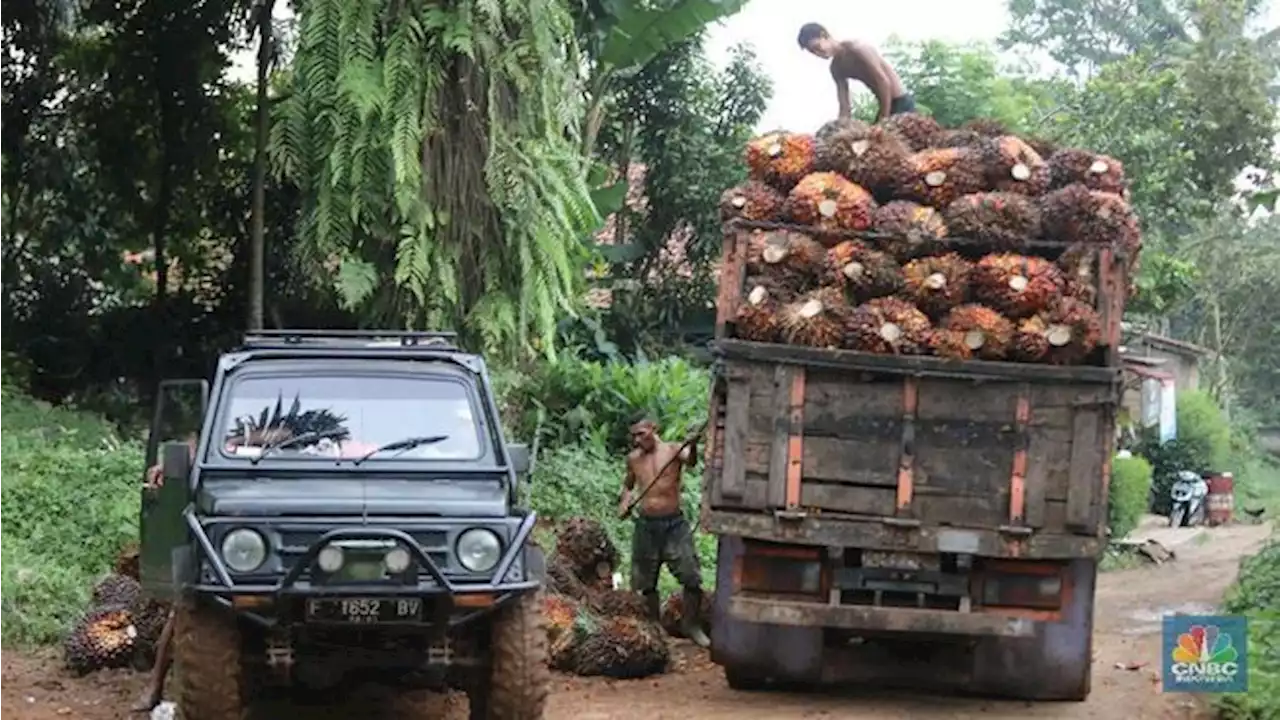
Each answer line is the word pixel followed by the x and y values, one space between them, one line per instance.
pixel 1126 680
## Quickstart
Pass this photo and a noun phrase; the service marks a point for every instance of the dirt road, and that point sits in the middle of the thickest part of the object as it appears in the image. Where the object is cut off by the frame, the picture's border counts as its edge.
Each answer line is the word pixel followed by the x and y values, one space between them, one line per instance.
pixel 1129 607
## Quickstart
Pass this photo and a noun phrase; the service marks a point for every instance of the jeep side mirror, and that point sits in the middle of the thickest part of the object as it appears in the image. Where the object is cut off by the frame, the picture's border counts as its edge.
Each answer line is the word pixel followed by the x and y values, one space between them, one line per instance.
pixel 175 462
pixel 518 457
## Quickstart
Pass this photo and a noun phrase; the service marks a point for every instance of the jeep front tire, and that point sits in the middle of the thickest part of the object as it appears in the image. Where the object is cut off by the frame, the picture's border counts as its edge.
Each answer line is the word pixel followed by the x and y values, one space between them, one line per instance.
pixel 206 660
pixel 517 681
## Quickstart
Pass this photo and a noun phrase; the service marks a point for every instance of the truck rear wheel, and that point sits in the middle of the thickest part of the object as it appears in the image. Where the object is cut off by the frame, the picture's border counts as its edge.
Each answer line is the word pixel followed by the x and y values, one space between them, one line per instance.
pixel 516 684
pixel 206 663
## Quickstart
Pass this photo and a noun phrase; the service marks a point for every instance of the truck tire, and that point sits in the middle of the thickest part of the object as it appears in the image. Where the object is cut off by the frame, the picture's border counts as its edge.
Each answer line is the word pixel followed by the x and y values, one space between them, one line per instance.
pixel 516 684
pixel 206 663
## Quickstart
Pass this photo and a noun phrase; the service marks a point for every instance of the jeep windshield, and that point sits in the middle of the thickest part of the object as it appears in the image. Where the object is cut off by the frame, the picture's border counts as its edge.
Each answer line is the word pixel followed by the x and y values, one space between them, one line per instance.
pixel 349 416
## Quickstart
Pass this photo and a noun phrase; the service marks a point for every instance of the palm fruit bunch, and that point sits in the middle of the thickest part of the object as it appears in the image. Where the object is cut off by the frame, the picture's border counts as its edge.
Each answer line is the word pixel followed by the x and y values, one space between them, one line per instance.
pixel 919 131
pixel 560 613
pixel 862 273
pixel 780 158
pixel 752 200
pixel 1068 331
pixel 585 545
pixel 1016 286
pixel 815 319
pixel 1044 148
pixel 673 614
pixel 1029 344
pixel 830 202
pixel 937 284
pixel 940 175
pixel 616 603
pixel 117 590
pixel 104 638
pixel 829 130
pixel 887 326
pixel 961 139
pixel 1079 268
pixel 1075 214
pixel 988 127
pixel 1011 165
pixel 871 156
pixel 127 560
pixel 971 331
pixel 908 230
pixel 757 317
pixel 149 617
pixel 998 221
pixel 794 260
pixel 1094 171
pixel 562 579
pixel 623 648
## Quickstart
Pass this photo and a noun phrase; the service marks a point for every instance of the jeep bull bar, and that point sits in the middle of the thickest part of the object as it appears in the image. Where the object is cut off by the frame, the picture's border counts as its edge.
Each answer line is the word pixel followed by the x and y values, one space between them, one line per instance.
pixel 292 585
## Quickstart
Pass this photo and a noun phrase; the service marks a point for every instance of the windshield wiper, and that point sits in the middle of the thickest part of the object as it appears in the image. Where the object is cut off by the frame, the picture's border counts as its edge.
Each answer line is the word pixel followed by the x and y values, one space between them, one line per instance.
pixel 332 434
pixel 402 445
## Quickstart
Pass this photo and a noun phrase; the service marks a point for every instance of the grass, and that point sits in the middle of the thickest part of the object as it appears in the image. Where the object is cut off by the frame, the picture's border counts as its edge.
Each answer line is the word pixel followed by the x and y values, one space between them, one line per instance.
pixel 70 501
pixel 1256 595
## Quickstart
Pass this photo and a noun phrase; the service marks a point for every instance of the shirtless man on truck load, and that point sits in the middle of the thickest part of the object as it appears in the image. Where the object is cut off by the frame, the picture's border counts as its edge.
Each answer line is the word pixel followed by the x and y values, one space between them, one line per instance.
pixel 856 60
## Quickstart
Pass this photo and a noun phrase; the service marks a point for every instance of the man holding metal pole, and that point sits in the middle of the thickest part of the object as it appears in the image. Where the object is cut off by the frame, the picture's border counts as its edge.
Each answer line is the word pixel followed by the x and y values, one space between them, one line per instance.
pixel 662 534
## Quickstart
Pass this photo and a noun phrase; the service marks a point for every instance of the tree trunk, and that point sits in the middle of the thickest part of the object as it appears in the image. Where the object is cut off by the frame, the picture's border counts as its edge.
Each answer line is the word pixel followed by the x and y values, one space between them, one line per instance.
pixel 257 253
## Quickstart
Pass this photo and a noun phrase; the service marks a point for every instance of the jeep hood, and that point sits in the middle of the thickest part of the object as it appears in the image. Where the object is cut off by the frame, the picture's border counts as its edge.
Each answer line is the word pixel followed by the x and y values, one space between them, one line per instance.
pixel 464 497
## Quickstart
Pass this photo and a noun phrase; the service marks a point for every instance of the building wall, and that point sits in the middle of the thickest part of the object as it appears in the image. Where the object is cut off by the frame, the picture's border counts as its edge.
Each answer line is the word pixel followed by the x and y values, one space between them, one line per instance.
pixel 1185 369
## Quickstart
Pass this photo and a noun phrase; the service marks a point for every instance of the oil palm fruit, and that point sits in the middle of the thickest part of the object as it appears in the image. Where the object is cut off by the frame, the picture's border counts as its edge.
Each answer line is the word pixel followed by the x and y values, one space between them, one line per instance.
pixel 919 131
pixel 871 156
pixel 1016 286
pixel 149 618
pixel 116 590
pixel 1071 330
pixel 758 313
pixel 780 158
pixel 1044 148
pixel 1011 165
pixel 1075 214
pixel 104 638
pixel 1029 343
pixel 908 230
pixel 815 319
pixel 974 330
pixel 1079 265
pixel 861 272
pixel 960 139
pixel 623 648
pixel 937 284
pixel 795 260
pixel 1094 171
pixel 939 176
pixel 834 127
pixel 752 200
pixel 990 127
pixel 831 203
pixel 561 613
pixel 888 326
pixel 997 221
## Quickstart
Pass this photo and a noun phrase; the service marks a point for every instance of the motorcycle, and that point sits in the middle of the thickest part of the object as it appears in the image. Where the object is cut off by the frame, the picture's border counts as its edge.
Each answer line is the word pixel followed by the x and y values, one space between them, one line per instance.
pixel 1189 494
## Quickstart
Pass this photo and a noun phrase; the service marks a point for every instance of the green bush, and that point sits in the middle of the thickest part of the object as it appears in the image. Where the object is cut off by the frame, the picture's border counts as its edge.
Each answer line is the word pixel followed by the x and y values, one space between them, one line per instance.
pixel 70 501
pixel 1130 491
pixel 1256 595
pixel 591 403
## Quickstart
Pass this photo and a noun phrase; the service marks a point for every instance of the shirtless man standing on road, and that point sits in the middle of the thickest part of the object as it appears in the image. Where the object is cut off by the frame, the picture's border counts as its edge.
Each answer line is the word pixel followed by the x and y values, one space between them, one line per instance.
pixel 662 534
pixel 856 60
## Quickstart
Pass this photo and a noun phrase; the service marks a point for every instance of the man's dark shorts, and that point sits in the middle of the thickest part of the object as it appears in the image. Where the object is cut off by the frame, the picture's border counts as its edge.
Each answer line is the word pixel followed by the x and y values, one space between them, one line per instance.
pixel 902 104
pixel 663 540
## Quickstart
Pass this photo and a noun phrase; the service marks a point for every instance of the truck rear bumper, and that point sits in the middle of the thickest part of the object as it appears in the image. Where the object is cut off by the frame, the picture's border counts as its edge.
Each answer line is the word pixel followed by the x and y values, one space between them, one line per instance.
pixel 880 619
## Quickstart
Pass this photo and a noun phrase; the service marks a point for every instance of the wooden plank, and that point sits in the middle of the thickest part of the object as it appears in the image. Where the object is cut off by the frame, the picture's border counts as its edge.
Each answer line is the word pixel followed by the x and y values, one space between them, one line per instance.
pixel 917 365
pixel 795 442
pixel 1018 478
pixel 737 419
pixel 852 499
pixel 1086 470
pixel 967 402
pixel 1037 482
pixel 732 268
pixel 781 440
pixel 961 510
pixel 831 460
pixel 906 479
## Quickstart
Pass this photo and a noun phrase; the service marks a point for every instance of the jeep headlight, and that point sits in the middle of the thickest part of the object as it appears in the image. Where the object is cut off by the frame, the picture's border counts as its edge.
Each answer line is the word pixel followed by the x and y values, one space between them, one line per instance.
pixel 244 550
pixel 479 549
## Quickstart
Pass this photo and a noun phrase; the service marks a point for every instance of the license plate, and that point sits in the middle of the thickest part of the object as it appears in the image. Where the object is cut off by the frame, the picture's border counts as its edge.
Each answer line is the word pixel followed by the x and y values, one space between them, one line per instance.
pixel 365 611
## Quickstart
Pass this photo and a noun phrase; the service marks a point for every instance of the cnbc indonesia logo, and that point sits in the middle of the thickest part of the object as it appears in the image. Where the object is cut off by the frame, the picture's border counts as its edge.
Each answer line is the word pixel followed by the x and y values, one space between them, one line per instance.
pixel 1205 658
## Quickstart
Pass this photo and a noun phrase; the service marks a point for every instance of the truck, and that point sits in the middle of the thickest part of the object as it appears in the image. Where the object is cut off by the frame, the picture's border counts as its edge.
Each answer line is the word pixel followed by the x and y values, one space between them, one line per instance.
pixel 907 521
pixel 338 508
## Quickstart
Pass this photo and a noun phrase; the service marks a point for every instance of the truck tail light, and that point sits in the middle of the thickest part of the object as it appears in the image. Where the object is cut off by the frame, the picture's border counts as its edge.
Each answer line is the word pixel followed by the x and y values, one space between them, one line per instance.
pixel 1022 585
pixel 781 570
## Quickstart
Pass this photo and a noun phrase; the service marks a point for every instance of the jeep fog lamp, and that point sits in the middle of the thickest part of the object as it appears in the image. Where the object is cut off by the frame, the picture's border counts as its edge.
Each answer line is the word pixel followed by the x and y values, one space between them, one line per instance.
pixel 397 560
pixel 479 549
pixel 330 559
pixel 244 550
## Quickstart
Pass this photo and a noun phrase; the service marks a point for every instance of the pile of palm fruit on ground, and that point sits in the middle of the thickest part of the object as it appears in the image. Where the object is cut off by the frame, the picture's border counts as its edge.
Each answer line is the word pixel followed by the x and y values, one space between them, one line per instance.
pixel 594 629
pixel 121 627
pixel 905 237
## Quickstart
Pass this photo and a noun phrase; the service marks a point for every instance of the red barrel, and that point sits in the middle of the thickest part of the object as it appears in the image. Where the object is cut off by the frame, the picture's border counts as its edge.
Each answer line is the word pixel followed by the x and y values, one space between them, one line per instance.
pixel 1222 498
